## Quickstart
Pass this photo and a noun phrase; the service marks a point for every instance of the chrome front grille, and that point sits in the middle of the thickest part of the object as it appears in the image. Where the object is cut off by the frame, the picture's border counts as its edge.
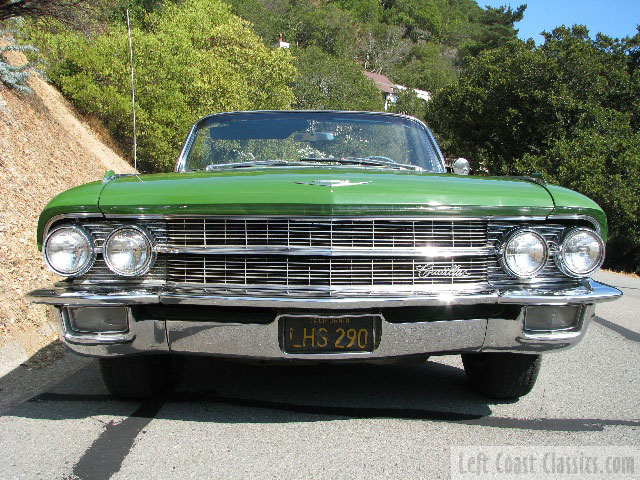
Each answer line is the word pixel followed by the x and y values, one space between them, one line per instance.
pixel 328 233
pixel 335 254
pixel 323 271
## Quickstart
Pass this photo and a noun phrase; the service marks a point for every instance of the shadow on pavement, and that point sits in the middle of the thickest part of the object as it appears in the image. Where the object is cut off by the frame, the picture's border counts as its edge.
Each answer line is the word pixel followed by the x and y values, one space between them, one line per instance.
pixel 223 391
pixel 230 391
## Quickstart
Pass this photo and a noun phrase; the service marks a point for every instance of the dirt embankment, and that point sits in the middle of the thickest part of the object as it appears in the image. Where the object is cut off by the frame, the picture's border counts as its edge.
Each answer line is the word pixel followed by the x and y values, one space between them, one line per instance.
pixel 45 148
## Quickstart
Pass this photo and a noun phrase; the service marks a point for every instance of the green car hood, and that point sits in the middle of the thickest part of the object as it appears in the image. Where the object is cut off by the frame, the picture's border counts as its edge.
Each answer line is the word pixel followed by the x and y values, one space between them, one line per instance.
pixel 291 191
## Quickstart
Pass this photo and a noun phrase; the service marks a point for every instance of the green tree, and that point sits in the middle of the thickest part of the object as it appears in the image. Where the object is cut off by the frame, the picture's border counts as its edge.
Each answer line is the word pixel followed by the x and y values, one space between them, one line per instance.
pixel 328 27
pixel 495 27
pixel 567 108
pixel 425 67
pixel 422 19
pixel 192 60
pixel 408 103
pixel 329 82
pixel 366 11
pixel 266 22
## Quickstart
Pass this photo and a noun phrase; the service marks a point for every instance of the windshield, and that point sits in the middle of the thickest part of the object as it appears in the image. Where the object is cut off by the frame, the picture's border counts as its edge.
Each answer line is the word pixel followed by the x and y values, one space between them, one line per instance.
pixel 309 138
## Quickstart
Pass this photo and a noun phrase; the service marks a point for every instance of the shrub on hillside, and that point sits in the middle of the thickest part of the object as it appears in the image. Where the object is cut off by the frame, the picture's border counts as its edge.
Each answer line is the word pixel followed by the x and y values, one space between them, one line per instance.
pixel 190 60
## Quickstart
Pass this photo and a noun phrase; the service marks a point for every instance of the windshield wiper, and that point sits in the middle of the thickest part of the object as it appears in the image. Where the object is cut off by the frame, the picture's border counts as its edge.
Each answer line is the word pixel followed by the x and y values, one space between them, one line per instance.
pixel 374 161
pixel 253 163
pixel 306 161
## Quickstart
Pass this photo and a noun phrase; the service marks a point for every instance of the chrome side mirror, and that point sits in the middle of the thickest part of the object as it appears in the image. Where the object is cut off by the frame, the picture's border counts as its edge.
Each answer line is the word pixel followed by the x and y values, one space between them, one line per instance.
pixel 461 167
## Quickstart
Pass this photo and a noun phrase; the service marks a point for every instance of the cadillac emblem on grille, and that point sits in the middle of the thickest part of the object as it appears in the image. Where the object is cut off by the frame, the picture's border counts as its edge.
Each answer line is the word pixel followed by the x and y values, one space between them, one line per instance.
pixel 430 270
pixel 332 183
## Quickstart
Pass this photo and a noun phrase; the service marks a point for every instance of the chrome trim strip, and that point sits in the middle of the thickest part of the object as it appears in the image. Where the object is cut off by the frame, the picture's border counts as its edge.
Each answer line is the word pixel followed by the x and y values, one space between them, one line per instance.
pixel 70 295
pixel 57 218
pixel 426 252
pixel 588 218
pixel 330 217
pixel 326 303
pixel 588 293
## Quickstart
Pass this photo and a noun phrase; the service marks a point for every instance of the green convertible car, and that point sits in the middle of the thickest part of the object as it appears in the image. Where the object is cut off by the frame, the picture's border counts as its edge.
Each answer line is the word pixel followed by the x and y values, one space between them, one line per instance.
pixel 320 236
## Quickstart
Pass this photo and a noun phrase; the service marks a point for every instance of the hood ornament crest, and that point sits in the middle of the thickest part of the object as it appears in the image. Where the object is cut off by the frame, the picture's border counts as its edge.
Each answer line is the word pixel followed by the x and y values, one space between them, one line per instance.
pixel 331 183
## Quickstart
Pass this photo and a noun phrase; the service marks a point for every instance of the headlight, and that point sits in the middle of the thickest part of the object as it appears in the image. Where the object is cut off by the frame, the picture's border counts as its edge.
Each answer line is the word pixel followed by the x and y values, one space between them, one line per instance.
pixel 581 252
pixel 68 251
pixel 128 251
pixel 524 253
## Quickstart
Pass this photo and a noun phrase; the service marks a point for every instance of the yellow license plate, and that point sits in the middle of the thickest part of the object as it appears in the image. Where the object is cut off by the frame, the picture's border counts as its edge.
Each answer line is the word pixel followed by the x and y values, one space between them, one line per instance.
pixel 329 334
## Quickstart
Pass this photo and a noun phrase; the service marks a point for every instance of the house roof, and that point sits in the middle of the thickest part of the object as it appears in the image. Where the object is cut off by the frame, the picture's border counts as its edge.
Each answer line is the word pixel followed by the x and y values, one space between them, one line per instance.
pixel 382 82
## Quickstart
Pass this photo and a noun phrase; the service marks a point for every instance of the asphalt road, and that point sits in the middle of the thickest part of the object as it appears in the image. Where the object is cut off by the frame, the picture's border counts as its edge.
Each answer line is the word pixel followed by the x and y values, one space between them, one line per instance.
pixel 230 420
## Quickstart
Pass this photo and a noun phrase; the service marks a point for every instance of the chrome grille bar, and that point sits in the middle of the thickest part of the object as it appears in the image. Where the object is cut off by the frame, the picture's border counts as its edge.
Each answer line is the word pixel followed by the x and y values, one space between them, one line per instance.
pixel 100 274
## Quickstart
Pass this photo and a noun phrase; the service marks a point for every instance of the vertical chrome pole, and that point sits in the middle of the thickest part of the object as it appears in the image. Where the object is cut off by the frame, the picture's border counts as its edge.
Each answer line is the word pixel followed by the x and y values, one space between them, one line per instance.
pixel 133 99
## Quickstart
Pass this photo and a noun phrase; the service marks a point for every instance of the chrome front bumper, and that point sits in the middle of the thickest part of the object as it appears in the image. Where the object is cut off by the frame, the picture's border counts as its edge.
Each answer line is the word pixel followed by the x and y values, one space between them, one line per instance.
pixel 260 341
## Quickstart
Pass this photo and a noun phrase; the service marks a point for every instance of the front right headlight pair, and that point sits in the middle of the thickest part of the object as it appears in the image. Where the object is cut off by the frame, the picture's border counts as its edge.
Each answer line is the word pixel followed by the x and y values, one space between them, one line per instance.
pixel 524 253
pixel 128 251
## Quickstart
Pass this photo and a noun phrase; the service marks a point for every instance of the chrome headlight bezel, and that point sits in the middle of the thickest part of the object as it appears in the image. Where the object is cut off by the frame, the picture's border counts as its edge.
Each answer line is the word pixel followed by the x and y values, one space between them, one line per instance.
pixel 144 268
pixel 90 243
pixel 561 261
pixel 502 253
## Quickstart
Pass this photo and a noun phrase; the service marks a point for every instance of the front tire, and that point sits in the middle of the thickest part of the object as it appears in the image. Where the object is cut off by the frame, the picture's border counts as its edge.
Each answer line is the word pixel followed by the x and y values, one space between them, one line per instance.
pixel 502 375
pixel 136 377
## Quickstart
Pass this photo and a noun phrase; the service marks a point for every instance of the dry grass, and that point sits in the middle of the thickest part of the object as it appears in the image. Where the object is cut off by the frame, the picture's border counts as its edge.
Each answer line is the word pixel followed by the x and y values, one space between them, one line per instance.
pixel 45 148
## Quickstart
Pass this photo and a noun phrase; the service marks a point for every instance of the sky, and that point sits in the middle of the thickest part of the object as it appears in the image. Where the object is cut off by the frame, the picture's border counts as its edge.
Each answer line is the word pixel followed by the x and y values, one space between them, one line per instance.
pixel 616 18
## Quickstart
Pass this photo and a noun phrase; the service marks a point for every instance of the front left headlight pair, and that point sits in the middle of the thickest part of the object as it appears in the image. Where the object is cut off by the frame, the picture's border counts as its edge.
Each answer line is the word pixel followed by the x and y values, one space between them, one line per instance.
pixel 524 253
pixel 128 251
